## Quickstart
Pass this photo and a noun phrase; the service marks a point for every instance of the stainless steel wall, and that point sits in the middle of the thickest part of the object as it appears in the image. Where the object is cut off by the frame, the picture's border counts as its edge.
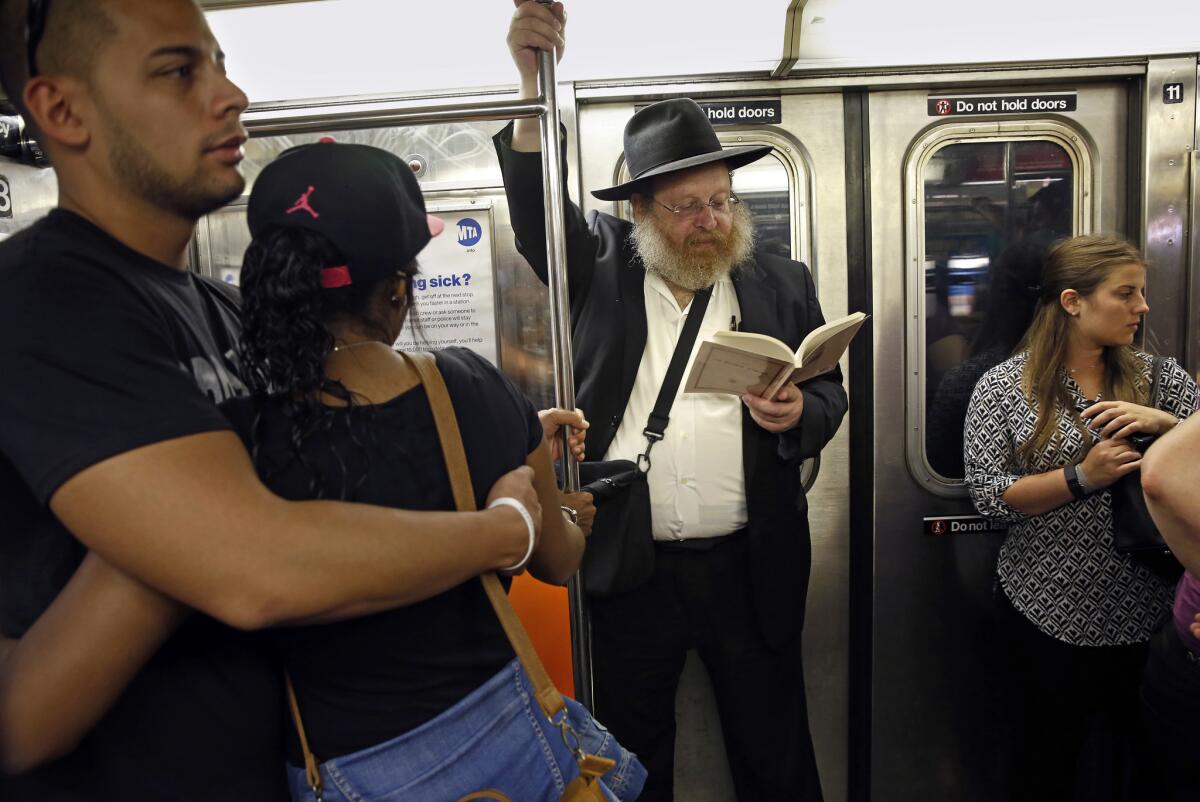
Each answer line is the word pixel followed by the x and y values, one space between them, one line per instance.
pixel 1168 133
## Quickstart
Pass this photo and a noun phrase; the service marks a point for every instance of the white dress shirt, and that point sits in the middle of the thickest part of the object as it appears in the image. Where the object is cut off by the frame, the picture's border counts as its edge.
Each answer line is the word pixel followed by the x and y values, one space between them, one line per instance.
pixel 697 484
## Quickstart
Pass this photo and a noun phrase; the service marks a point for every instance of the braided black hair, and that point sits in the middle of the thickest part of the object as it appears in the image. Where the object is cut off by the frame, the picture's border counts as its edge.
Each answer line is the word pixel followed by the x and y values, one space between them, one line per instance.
pixel 285 339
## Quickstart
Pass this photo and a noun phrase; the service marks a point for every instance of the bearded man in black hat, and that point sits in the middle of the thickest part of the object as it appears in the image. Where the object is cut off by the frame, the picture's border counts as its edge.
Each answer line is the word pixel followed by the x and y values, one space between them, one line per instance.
pixel 732 551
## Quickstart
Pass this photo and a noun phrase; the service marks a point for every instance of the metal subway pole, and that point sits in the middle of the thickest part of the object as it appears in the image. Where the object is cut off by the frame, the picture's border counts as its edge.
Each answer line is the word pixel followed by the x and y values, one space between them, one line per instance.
pixel 560 339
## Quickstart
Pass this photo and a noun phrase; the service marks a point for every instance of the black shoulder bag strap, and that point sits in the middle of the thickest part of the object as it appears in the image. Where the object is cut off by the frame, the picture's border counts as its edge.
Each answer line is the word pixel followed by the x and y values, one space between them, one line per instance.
pixel 1156 369
pixel 660 416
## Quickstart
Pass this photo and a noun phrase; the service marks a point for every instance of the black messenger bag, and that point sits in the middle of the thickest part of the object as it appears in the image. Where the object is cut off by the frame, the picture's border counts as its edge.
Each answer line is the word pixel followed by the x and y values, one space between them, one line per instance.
pixel 620 550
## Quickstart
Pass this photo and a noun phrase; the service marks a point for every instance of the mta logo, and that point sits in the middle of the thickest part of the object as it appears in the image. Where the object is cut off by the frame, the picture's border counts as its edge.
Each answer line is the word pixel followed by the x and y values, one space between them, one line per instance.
pixel 469 232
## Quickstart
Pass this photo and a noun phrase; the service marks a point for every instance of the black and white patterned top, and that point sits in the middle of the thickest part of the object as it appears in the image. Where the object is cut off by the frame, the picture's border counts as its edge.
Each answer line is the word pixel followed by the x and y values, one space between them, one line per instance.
pixel 1060 568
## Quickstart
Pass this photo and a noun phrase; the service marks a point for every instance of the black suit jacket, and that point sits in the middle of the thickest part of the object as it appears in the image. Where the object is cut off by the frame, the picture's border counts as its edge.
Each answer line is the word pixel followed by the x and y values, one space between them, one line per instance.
pixel 608 324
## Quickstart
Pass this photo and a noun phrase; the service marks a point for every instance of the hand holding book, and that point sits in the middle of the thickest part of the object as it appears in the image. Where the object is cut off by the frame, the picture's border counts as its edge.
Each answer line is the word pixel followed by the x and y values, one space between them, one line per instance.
pixel 780 412
pixel 737 362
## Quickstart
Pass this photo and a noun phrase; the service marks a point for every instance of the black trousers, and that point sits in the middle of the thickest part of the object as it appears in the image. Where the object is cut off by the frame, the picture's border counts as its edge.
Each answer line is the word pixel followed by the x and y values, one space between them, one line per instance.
pixel 1077 735
pixel 700 599
pixel 1171 710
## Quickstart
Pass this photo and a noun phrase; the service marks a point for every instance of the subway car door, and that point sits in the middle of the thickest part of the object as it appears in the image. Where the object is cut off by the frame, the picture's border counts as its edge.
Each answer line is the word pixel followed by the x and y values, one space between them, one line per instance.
pixel 797 199
pixel 968 182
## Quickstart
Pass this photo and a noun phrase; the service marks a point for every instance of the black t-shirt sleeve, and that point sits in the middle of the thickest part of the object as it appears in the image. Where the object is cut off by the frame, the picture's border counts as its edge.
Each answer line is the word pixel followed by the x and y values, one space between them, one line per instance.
pixel 477 387
pixel 91 371
pixel 241 412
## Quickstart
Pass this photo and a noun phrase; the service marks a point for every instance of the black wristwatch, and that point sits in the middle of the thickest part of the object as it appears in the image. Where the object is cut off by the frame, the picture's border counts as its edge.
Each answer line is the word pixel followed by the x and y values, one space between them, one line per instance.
pixel 1073 482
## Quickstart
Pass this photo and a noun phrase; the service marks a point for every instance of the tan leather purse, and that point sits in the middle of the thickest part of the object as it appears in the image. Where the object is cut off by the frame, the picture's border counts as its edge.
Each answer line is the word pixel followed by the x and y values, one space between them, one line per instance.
pixel 584 788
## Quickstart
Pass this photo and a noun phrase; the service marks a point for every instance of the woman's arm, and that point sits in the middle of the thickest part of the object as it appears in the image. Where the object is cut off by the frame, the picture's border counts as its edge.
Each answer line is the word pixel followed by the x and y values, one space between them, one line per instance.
pixel 1038 493
pixel 987 452
pixel 1170 481
pixel 68 669
pixel 559 551
pixel 1107 462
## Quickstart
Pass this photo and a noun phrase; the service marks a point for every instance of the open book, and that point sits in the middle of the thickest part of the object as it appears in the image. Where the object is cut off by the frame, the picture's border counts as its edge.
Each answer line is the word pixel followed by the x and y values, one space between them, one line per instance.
pixel 739 361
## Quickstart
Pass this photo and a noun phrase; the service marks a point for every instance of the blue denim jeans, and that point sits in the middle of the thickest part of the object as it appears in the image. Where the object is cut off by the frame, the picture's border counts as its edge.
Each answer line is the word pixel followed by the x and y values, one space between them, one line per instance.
pixel 495 738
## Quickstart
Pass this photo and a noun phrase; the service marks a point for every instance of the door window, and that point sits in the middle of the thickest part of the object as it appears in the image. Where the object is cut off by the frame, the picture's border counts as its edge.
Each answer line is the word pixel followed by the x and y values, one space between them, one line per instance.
pixel 765 189
pixel 991 211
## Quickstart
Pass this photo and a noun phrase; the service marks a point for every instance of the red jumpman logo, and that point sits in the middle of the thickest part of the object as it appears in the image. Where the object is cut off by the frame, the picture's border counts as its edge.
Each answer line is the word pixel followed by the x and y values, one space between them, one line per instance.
pixel 302 204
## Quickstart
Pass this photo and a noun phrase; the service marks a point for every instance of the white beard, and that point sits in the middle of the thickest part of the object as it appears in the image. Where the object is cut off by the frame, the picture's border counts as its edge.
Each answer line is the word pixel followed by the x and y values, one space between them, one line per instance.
pixel 694 271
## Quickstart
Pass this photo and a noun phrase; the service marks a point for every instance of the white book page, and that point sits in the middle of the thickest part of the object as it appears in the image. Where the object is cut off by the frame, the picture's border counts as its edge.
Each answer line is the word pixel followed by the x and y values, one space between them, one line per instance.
pixel 760 344
pixel 826 332
pixel 718 369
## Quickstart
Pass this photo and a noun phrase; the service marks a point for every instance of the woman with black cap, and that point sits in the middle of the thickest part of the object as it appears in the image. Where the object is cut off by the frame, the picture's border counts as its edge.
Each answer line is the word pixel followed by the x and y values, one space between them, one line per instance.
pixel 425 701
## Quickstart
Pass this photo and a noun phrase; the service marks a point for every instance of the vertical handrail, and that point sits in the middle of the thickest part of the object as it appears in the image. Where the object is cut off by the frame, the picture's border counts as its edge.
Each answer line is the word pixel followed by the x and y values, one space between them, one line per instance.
pixel 560 344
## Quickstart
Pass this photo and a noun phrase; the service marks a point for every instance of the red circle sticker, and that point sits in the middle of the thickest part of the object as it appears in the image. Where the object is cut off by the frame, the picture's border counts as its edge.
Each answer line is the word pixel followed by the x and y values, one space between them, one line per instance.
pixel 942 107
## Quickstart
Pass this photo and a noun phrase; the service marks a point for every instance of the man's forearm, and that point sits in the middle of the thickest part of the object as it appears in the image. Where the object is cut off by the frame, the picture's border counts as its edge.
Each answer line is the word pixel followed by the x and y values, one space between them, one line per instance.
pixel 388 558
pixel 1170 473
pixel 527 131
pixel 190 518
pixel 324 560
pixel 1181 535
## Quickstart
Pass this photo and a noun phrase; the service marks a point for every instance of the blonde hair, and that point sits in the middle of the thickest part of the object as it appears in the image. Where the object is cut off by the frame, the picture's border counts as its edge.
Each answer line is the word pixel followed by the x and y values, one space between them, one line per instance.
pixel 1082 264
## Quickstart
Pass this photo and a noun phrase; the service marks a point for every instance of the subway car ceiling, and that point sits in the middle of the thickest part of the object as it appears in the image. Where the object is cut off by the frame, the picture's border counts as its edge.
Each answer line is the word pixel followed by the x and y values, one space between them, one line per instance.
pixel 356 48
pixel 335 48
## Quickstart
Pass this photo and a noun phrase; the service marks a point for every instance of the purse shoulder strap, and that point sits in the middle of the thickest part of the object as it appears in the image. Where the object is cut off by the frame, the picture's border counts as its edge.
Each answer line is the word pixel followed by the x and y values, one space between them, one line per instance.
pixel 1156 369
pixel 548 697
pixel 311 772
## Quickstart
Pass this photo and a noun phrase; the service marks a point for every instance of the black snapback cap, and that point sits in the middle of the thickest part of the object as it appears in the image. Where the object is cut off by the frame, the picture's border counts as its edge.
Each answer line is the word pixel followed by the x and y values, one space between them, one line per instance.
pixel 365 200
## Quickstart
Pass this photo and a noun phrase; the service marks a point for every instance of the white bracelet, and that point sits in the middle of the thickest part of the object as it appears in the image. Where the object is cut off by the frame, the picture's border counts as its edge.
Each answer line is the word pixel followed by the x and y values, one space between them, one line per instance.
pixel 509 501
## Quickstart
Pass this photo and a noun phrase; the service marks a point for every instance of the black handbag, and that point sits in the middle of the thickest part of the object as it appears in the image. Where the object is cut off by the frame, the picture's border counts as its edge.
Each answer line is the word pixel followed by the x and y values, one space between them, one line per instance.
pixel 620 550
pixel 1134 531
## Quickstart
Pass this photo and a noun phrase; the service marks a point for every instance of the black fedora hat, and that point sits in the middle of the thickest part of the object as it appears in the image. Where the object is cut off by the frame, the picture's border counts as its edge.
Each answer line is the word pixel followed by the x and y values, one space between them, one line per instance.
pixel 673 135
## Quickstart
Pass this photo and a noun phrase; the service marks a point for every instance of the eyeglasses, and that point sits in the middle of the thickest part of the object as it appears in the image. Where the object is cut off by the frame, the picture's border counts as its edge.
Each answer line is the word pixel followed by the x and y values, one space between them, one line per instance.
pixel 692 209
pixel 35 29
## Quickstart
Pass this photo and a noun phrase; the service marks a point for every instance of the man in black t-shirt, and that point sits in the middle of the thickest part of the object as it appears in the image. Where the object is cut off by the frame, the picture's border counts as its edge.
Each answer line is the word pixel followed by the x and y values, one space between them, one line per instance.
pixel 119 479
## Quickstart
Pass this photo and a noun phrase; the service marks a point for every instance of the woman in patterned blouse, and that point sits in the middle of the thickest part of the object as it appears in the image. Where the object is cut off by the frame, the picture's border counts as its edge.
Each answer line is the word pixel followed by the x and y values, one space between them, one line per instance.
pixel 1045 436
